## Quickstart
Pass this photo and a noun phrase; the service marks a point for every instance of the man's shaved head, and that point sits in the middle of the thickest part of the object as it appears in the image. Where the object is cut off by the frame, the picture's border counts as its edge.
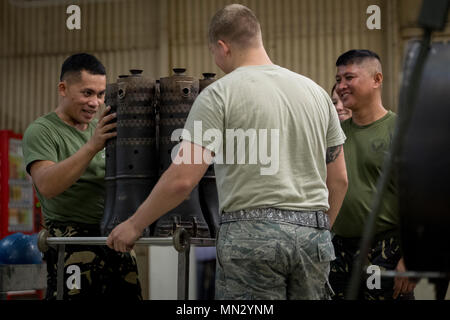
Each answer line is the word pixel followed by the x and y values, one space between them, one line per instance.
pixel 73 65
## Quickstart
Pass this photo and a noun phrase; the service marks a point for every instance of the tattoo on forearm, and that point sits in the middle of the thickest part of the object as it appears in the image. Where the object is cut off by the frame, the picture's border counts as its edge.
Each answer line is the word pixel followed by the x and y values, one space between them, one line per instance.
pixel 333 153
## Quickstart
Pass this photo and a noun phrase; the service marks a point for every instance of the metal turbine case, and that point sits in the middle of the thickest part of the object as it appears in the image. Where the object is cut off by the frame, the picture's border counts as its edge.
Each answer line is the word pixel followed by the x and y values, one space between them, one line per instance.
pixel 136 156
pixel 177 94
pixel 209 199
pixel 423 170
pixel 110 161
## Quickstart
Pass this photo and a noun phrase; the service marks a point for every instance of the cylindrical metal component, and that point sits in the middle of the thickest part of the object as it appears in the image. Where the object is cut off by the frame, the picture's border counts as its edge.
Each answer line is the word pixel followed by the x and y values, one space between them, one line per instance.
pixel 106 224
pixel 209 199
pixel 424 172
pixel 136 166
pixel 130 193
pixel 110 147
pixel 187 215
pixel 110 160
pixel 177 94
pixel 136 128
pixel 42 240
pixel 209 202
pixel 158 241
pixel 208 78
pixel 101 241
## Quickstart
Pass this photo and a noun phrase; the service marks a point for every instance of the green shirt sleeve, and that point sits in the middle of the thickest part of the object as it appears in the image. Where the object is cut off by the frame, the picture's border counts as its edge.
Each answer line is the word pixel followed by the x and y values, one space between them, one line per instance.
pixel 39 144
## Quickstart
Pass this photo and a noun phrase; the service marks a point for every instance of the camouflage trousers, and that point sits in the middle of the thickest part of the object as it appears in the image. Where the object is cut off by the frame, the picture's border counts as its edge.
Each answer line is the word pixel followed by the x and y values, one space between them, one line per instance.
pixel 385 253
pixel 104 273
pixel 265 260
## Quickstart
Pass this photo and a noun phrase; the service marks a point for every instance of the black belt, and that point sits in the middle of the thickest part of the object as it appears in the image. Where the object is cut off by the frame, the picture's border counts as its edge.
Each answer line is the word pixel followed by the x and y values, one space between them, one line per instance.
pixel 314 219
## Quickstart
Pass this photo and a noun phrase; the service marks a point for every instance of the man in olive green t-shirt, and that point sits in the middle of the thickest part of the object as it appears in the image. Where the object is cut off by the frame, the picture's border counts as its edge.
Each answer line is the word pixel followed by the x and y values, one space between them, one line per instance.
pixel 64 153
pixel 369 133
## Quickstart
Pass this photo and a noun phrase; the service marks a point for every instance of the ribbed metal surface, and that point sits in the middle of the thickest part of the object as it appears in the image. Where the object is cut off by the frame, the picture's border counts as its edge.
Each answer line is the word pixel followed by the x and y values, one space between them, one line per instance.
pixel 154 35
pixel 105 26
pixel 306 36
pixel 35 41
pixel 28 87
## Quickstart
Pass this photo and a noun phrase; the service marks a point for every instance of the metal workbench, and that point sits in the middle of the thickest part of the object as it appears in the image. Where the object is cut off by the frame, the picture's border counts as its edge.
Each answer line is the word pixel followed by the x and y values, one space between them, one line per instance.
pixel 180 241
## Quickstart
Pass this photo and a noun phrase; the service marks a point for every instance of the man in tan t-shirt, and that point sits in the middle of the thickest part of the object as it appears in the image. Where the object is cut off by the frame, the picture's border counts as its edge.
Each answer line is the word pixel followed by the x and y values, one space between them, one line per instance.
pixel 277 145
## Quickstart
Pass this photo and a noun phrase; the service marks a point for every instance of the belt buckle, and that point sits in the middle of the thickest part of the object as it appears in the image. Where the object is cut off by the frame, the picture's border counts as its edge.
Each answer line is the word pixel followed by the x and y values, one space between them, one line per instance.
pixel 317 219
pixel 324 224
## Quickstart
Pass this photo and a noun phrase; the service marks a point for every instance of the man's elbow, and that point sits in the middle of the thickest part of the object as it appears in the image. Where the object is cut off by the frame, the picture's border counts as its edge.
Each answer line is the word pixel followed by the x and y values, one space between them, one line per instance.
pixel 342 181
pixel 47 193
pixel 45 190
pixel 339 182
pixel 180 180
pixel 183 186
pixel 41 180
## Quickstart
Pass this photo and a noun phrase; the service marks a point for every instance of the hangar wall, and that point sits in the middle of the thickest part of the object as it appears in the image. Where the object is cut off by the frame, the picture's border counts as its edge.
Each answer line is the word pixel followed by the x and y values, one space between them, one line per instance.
pixel 157 35
pixel 303 35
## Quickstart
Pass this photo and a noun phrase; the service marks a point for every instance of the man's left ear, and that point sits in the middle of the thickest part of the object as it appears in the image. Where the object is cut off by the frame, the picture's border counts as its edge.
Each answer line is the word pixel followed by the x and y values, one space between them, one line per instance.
pixel 378 80
pixel 62 88
pixel 224 46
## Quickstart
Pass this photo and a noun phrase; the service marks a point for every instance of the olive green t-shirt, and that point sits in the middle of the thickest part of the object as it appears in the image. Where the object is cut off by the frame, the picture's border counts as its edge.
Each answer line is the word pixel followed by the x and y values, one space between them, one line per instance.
pixel 288 122
pixel 365 150
pixel 50 138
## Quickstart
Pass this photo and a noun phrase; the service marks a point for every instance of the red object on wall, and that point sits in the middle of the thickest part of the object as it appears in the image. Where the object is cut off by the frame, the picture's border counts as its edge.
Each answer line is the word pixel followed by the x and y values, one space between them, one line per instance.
pixel 17 196
pixel 19 207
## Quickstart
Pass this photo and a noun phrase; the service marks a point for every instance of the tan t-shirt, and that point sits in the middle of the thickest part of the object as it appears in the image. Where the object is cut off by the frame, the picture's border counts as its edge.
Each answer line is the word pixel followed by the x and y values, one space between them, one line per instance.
pixel 269 129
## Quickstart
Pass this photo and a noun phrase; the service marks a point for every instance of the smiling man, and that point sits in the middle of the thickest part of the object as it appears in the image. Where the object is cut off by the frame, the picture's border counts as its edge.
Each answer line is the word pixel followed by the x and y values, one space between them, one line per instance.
pixel 64 153
pixel 369 132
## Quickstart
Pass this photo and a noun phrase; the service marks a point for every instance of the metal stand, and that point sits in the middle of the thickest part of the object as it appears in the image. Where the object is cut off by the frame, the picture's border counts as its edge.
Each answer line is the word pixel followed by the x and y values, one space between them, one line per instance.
pixel 180 241
pixel 415 274
pixel 183 275
pixel 61 248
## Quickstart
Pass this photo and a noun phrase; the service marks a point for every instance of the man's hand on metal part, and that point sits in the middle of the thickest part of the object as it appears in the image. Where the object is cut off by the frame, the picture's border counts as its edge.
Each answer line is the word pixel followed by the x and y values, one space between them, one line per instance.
pixel 402 285
pixel 123 237
pixel 103 130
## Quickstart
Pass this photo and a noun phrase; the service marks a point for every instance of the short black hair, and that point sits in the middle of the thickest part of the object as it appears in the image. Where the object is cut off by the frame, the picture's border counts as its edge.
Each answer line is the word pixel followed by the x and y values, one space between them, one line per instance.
pixel 79 62
pixel 356 56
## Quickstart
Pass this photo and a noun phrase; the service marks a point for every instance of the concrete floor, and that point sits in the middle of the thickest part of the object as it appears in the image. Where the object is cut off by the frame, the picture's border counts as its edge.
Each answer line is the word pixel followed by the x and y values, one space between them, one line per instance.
pixel 425 291
pixel 163 277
